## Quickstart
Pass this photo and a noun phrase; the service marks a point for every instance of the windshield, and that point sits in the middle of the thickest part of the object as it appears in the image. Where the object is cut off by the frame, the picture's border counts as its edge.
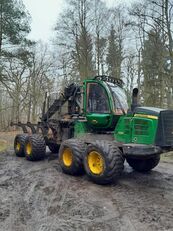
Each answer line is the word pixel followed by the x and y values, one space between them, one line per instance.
pixel 120 98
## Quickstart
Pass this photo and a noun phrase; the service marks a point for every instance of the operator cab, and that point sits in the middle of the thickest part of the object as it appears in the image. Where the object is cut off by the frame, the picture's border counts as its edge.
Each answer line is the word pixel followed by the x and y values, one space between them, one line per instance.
pixel 104 102
pixel 97 100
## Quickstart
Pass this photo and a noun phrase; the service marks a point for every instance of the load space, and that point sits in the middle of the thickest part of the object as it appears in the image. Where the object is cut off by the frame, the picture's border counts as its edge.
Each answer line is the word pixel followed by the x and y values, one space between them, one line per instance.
pixel 93 131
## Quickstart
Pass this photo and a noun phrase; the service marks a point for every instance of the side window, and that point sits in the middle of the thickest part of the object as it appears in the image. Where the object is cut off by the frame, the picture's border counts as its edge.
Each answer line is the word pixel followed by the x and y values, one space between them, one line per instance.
pixel 97 99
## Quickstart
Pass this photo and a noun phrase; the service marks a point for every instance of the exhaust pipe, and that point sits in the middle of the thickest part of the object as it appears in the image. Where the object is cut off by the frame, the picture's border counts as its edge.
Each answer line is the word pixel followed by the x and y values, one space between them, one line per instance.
pixel 135 100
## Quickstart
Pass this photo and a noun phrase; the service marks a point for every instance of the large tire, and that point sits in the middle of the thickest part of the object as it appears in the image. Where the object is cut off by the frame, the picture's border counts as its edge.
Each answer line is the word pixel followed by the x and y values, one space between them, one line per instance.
pixel 143 165
pixel 35 147
pixel 19 143
pixel 53 147
pixel 71 156
pixel 103 162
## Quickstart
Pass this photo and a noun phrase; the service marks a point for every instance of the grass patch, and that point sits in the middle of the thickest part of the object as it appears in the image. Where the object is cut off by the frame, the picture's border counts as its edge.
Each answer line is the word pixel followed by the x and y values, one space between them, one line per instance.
pixel 3 145
pixel 167 157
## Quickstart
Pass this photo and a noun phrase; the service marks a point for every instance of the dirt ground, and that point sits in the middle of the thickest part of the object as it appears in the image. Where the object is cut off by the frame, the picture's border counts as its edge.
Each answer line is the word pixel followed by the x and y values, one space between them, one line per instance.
pixel 37 196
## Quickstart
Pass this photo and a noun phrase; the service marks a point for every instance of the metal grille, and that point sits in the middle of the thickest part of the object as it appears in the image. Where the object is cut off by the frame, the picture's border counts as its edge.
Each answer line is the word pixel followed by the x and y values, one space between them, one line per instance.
pixel 164 135
pixel 167 120
pixel 141 127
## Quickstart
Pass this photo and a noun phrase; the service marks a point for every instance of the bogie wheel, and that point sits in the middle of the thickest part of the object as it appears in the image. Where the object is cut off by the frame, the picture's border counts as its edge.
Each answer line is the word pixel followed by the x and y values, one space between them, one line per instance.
pixel 71 156
pixel 35 147
pixel 141 165
pixel 103 162
pixel 19 143
pixel 53 147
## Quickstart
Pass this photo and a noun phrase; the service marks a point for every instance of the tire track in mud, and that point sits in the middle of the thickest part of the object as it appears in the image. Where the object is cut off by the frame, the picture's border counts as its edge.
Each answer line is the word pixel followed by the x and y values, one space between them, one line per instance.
pixel 37 196
pixel 147 198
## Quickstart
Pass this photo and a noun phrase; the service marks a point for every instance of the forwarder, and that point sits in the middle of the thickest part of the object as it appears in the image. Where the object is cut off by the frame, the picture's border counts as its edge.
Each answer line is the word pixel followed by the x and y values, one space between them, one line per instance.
pixel 94 131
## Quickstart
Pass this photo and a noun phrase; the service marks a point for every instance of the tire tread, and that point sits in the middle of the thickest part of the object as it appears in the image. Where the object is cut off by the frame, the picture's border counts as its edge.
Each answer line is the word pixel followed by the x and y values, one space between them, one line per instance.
pixel 78 149
pixel 114 162
pixel 38 147
pixel 21 138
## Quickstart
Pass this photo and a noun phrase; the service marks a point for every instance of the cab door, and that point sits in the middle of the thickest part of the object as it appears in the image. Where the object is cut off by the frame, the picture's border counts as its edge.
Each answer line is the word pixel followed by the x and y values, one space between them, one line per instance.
pixel 98 111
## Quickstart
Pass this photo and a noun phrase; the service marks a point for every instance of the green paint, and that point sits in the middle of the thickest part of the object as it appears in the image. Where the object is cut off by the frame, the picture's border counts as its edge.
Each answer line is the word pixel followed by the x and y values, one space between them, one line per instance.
pixel 100 120
pixel 139 129
pixel 144 130
pixel 123 131
pixel 80 128
pixel 136 130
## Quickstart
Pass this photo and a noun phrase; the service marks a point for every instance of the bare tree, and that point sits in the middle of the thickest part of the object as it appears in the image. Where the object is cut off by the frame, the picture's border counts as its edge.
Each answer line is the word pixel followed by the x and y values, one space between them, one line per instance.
pixel 73 29
pixel 40 80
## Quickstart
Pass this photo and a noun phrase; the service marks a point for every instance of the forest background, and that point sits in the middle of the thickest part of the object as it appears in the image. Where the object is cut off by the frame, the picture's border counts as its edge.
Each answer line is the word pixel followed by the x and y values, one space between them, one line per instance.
pixel 132 43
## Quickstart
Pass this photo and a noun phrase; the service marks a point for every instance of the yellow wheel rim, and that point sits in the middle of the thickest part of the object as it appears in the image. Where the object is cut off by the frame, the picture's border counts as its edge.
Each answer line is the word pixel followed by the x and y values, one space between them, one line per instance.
pixel 67 157
pixel 96 162
pixel 28 149
pixel 18 146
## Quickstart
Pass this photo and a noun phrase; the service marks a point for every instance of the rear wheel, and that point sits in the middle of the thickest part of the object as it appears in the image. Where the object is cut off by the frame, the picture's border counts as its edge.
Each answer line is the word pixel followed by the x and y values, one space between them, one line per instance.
pixel 35 147
pixel 19 143
pixel 71 156
pixel 143 165
pixel 103 162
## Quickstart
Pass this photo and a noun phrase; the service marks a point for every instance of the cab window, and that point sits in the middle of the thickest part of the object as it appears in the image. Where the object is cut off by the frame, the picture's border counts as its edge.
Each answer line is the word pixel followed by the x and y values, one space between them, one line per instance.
pixel 97 99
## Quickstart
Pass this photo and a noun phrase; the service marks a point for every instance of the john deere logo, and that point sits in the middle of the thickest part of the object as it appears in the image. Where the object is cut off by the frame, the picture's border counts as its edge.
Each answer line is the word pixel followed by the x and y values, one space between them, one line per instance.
pixel 135 139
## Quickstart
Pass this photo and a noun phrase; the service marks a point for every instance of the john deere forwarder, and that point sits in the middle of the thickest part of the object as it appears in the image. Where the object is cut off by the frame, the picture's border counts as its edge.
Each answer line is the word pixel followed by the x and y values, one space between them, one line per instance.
pixel 93 131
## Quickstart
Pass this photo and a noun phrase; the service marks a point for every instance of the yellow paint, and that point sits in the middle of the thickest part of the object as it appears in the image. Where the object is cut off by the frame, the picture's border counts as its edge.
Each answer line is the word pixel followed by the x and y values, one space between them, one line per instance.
pixel 94 121
pixel 28 148
pixel 96 162
pixel 18 146
pixel 146 116
pixel 67 157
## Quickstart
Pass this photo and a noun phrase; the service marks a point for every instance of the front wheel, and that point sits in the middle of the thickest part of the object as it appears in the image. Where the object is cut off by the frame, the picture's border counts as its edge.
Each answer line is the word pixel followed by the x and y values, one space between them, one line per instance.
pixel 103 162
pixel 143 165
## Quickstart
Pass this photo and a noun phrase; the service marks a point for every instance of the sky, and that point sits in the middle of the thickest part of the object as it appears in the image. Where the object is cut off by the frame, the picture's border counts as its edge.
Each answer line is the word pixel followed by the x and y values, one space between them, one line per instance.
pixel 44 15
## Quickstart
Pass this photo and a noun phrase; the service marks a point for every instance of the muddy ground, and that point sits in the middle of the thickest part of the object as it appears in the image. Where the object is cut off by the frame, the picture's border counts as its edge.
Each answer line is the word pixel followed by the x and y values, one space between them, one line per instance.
pixel 37 196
